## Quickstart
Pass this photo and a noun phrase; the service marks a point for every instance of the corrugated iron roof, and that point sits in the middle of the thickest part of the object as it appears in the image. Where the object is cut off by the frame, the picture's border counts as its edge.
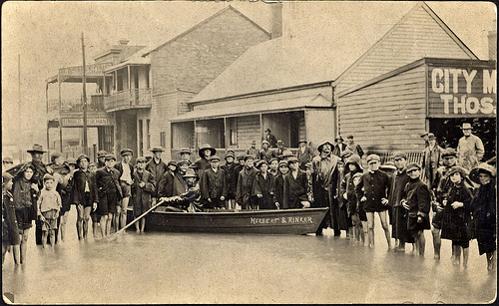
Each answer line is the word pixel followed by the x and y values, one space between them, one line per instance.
pixel 312 101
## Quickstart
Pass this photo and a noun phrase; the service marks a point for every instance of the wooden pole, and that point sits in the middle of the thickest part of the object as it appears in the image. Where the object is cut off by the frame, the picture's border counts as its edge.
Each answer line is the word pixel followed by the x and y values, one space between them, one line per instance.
pixel 60 109
pixel 85 139
pixel 19 100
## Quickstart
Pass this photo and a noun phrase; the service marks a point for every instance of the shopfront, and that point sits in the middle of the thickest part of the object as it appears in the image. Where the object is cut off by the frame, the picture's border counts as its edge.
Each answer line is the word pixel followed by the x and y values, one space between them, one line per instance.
pixel 391 111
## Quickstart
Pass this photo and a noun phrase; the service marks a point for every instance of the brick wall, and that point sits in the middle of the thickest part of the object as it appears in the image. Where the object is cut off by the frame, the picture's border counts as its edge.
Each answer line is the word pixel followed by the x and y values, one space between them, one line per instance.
pixel 183 67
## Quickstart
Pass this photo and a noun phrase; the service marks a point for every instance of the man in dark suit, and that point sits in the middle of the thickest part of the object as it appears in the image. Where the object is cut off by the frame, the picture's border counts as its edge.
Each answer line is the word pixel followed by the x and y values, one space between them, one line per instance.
pixel 125 169
pixel 166 184
pixel 109 193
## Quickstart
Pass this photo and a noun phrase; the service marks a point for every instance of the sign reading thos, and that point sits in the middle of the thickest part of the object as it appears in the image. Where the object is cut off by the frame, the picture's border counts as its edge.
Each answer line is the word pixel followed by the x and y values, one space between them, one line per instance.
pixel 462 91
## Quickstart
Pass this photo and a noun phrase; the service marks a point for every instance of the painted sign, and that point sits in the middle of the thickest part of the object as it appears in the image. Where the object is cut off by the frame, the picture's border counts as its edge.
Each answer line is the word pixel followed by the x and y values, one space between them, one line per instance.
pixel 466 91
pixel 282 220
pixel 78 122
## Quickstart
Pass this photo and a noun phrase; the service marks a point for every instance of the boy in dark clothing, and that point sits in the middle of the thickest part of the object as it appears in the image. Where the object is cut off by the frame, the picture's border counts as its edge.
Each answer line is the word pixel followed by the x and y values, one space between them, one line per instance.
pixel 165 185
pixel 10 231
pixel 212 185
pixel 263 187
pixel 279 184
pixel 143 187
pixel 295 186
pixel 109 193
pixel 245 183
pixel 231 174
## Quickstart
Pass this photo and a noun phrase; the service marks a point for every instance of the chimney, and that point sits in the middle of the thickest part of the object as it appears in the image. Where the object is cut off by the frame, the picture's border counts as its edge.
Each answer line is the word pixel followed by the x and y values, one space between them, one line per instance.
pixel 124 42
pixel 493 43
pixel 276 8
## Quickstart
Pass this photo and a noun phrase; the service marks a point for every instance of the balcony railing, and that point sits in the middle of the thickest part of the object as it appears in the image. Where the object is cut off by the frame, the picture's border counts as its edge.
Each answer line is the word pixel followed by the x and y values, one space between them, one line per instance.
pixel 137 98
pixel 70 106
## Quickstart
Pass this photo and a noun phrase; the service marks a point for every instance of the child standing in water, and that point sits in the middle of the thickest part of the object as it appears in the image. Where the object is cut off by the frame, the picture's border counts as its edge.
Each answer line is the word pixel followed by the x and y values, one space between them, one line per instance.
pixel 10 231
pixel 49 205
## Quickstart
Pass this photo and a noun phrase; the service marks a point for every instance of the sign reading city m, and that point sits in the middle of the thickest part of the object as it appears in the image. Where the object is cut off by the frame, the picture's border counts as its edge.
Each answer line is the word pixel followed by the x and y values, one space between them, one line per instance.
pixel 462 90
pixel 78 122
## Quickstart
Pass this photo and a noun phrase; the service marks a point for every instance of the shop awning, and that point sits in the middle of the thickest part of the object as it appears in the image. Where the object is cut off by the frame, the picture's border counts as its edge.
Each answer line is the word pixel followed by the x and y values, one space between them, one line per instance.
pixel 300 103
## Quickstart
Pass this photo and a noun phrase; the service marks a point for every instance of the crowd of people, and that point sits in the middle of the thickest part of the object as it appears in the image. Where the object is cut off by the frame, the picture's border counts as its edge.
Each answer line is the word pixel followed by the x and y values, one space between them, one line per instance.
pixel 456 200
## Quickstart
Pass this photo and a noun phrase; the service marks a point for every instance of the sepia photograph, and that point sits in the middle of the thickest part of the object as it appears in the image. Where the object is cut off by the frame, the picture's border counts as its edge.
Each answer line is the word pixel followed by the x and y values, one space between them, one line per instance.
pixel 235 152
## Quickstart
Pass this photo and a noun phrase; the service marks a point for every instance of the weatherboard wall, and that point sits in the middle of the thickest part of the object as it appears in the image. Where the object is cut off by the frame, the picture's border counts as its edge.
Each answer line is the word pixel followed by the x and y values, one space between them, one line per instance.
pixel 388 115
pixel 417 35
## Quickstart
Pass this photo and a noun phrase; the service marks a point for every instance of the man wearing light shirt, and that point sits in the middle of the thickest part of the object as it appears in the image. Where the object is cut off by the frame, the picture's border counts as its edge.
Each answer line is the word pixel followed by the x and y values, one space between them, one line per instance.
pixel 126 171
pixel 470 149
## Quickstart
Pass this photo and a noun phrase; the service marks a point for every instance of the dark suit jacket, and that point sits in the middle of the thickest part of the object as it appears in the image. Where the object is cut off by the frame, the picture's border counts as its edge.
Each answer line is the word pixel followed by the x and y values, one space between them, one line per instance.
pixel 107 182
pixel 78 189
pixel 295 190
pixel 212 184
pixel 143 194
pixel 165 186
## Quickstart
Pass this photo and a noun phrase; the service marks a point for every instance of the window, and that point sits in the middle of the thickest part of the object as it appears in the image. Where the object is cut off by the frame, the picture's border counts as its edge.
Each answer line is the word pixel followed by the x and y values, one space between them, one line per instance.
pixel 162 139
pixel 148 133
pixel 141 138
pixel 233 131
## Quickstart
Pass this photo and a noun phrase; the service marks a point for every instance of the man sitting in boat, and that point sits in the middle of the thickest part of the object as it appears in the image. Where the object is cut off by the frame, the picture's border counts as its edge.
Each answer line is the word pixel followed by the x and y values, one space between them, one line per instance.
pixel 190 200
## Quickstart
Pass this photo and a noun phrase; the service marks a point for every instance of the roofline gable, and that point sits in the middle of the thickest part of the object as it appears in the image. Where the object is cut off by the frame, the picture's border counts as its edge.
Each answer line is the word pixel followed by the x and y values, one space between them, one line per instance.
pixel 194 27
pixel 433 15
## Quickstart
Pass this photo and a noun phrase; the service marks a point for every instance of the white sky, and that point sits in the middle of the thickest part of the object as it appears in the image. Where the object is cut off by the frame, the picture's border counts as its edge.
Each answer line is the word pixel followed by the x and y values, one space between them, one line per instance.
pixel 47 37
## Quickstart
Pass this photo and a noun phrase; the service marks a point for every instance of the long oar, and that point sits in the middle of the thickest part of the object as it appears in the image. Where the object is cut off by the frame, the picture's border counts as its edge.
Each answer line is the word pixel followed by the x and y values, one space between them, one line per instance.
pixel 165 200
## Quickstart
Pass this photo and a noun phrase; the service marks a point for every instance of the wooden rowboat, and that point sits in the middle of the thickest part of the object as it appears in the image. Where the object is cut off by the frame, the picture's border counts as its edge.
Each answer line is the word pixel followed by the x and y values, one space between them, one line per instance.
pixel 283 221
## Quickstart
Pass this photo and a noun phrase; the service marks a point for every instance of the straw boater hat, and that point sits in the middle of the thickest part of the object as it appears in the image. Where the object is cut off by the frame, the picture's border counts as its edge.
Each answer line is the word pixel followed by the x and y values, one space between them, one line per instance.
pixel 466 126
pixel 36 149
pixel 482 168
pixel 319 148
pixel 157 149
pixel 126 151
pixel 207 147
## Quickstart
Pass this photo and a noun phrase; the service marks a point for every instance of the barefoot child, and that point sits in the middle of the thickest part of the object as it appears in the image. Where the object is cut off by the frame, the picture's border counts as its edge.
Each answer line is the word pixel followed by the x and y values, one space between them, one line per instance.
pixel 49 205
pixel 143 188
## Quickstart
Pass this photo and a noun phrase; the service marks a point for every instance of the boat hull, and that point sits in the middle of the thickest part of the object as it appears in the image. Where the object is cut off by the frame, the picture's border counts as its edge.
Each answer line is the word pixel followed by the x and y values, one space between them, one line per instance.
pixel 284 221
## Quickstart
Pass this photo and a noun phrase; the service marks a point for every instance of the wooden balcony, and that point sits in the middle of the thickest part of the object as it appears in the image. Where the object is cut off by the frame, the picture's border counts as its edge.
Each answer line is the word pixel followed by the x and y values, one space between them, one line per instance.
pixel 136 99
pixel 71 112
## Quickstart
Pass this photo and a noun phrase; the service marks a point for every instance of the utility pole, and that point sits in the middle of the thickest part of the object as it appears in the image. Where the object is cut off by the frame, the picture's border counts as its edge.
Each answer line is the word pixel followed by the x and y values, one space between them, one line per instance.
pixel 19 103
pixel 85 140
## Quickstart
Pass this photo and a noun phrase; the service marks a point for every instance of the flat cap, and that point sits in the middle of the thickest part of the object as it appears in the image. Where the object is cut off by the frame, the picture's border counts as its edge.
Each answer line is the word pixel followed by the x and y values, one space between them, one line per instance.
pixel 172 163
pixel 412 166
pixel 157 149
pixel 101 153
pixel 399 155
pixel 449 152
pixel 261 162
pixel 214 158
pixel 126 151
pixel 109 157
pixel 373 157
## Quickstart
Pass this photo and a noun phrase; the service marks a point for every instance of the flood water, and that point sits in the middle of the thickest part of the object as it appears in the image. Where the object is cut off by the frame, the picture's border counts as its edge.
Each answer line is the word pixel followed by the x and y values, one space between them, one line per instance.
pixel 211 268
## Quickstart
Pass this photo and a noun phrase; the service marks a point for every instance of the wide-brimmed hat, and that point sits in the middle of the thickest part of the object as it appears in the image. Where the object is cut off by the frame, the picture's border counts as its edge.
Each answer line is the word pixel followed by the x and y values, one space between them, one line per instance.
pixel 101 153
pixel 373 157
pixel 126 151
pixel 355 160
pixel 157 149
pixel 466 126
pixel 424 134
pixel 412 166
pixel 214 157
pixel 458 169
pixel 190 173
pixel 319 148
pixel 36 149
pixel 482 168
pixel 449 152
pixel 207 147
